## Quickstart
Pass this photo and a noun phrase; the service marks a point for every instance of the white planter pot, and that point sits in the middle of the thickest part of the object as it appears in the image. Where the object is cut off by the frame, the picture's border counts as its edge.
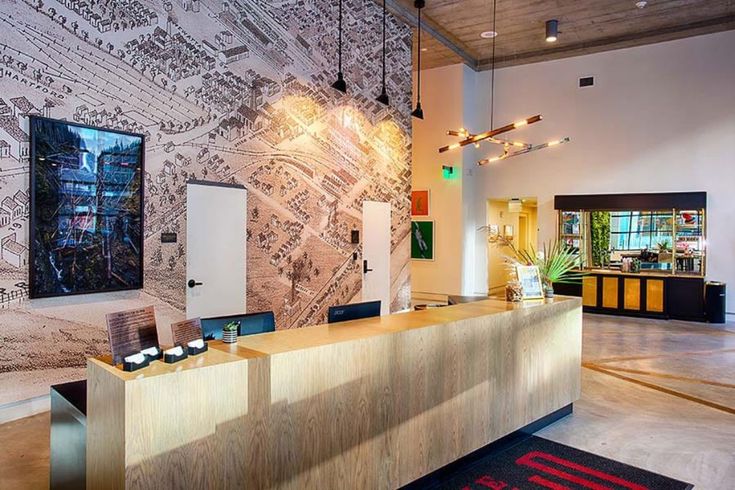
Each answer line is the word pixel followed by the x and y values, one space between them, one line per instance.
pixel 229 336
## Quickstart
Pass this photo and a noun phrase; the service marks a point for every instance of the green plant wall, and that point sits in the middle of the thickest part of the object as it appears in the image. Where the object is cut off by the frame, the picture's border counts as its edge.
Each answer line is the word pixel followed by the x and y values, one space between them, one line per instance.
pixel 600 237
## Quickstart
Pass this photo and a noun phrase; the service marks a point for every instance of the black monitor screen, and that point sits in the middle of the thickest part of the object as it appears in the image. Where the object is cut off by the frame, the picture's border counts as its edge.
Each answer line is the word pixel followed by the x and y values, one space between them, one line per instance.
pixel 353 311
pixel 248 324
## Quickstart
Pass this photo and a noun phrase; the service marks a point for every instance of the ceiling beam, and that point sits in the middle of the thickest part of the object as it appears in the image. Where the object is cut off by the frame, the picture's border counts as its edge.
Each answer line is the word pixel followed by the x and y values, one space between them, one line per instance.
pixel 610 43
pixel 428 25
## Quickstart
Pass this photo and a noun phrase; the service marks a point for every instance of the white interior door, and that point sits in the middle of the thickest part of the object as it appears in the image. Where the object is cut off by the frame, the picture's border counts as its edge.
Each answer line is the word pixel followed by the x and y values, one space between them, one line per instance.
pixel 376 253
pixel 216 217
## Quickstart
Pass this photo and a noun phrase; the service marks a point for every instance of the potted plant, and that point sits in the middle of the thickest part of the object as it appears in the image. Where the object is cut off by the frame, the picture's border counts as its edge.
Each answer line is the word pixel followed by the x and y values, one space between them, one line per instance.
pixel 664 245
pixel 229 332
pixel 558 262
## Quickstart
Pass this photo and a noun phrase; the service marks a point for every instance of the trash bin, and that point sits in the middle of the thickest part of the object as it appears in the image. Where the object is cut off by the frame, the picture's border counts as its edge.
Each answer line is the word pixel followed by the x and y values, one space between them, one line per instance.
pixel 714 302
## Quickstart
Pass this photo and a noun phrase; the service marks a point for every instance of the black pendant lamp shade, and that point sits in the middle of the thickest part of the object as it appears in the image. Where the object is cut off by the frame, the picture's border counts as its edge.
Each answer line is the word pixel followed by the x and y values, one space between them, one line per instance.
pixel 419 112
pixel 383 97
pixel 340 84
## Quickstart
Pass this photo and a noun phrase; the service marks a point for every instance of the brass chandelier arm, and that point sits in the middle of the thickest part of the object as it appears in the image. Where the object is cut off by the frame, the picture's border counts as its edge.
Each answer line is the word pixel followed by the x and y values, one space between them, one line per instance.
pixel 506 154
pixel 490 134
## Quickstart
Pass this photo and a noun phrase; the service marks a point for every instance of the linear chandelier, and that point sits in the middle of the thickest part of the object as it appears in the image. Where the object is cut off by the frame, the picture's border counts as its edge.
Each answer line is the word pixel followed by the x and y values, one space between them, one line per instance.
pixel 510 148
pixel 469 139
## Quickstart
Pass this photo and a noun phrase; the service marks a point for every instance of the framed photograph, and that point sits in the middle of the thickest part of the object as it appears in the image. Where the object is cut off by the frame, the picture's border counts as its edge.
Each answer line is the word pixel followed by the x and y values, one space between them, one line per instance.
pixel 86 209
pixel 508 231
pixel 494 230
pixel 530 279
pixel 422 240
pixel 420 203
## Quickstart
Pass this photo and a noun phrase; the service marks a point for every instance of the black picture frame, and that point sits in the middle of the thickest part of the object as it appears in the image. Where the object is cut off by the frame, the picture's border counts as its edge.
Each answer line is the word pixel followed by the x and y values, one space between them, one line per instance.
pixel 33 206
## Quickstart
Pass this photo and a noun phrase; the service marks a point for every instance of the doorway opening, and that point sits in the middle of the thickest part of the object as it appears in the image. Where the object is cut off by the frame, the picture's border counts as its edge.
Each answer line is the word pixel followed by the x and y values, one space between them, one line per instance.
pixel 519 225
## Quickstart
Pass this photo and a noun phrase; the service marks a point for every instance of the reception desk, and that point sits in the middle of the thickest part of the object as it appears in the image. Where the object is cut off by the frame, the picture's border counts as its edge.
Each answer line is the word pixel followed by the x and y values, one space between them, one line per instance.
pixel 374 403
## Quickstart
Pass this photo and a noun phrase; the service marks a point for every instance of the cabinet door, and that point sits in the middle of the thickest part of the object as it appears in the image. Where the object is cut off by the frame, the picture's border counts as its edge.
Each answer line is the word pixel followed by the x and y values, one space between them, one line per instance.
pixel 610 292
pixel 589 291
pixel 632 294
pixel 655 295
pixel 686 298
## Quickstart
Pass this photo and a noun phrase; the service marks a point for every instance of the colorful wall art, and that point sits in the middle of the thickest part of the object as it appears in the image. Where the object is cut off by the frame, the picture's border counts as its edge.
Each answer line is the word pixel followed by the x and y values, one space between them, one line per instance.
pixel 422 240
pixel 86 209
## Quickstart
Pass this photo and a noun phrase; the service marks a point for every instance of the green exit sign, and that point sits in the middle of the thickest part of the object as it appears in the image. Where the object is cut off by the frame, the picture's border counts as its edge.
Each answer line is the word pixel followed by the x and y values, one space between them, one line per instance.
pixel 448 172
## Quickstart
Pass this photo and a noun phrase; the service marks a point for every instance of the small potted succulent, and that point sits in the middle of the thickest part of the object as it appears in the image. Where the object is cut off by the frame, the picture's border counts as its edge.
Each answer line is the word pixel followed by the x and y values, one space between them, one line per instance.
pixel 229 332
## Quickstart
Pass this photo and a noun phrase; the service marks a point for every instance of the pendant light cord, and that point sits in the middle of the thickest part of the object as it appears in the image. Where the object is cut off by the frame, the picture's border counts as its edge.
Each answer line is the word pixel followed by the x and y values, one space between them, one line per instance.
pixel 418 91
pixel 384 23
pixel 339 50
pixel 492 73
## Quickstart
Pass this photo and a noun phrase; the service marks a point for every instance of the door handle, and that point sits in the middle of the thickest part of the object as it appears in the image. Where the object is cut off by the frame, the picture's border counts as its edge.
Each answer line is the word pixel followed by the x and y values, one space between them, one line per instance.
pixel 193 283
pixel 365 268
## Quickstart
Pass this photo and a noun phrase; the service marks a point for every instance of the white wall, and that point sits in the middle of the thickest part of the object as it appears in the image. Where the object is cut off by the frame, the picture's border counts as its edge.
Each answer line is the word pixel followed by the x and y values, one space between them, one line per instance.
pixel 442 99
pixel 660 118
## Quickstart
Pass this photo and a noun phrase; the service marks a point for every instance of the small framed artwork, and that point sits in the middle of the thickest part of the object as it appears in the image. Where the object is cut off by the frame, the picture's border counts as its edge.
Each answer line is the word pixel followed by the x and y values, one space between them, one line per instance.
pixel 508 231
pixel 422 240
pixel 420 203
pixel 493 230
pixel 530 279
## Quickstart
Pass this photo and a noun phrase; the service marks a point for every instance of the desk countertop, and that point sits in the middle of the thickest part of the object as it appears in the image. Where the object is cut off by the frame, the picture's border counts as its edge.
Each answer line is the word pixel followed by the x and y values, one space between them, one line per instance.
pixel 281 341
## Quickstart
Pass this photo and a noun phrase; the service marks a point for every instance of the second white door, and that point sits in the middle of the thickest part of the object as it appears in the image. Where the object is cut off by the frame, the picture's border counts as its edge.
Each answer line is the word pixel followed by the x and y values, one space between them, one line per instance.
pixel 376 253
pixel 216 216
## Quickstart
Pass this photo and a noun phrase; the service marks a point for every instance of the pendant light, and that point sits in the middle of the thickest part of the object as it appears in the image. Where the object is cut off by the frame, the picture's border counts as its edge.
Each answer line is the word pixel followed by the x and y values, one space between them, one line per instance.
pixel 383 97
pixel 419 112
pixel 511 148
pixel 340 84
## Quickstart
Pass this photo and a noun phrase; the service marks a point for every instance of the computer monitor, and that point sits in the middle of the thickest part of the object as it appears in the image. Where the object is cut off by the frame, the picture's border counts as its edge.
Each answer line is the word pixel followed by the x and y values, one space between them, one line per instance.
pixel 353 311
pixel 249 324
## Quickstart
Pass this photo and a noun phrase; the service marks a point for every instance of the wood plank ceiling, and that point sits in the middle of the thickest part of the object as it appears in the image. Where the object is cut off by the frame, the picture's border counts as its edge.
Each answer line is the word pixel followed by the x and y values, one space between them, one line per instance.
pixel 586 26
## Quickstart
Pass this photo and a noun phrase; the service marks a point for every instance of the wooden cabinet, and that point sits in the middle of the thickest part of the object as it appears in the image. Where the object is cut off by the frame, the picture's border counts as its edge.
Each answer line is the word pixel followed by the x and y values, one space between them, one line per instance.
pixel 631 294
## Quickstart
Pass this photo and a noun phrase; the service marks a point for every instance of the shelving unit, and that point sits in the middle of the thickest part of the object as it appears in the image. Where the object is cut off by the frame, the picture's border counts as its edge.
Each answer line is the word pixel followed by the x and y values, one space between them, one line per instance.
pixel 671 282
pixel 573 229
pixel 689 248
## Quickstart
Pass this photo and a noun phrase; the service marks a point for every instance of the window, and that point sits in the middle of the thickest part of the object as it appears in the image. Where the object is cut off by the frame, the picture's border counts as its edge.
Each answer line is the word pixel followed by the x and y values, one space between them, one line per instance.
pixel 636 230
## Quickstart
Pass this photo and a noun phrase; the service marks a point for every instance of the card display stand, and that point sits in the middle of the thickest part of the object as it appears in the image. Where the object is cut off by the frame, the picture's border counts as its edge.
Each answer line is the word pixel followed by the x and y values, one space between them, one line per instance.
pixel 131 366
pixel 155 357
pixel 193 351
pixel 170 358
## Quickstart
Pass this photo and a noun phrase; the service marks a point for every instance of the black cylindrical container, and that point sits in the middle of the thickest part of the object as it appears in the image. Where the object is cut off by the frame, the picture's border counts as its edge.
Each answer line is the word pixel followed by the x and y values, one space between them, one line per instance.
pixel 714 302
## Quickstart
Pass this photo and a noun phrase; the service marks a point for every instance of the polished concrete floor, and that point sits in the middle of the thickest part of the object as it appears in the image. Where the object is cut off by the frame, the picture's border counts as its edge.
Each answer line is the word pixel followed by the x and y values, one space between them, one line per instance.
pixel 659 395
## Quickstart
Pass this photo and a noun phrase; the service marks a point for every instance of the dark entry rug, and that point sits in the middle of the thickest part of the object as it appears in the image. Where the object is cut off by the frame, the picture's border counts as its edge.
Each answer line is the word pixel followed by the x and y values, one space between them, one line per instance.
pixel 537 464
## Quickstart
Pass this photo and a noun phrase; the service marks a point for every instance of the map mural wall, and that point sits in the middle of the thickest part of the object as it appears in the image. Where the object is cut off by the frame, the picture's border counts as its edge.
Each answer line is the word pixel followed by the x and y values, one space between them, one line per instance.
pixel 231 91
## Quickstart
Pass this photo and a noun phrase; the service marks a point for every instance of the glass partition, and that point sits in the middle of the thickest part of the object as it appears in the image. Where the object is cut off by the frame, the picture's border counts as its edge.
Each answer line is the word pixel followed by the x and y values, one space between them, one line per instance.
pixel 663 241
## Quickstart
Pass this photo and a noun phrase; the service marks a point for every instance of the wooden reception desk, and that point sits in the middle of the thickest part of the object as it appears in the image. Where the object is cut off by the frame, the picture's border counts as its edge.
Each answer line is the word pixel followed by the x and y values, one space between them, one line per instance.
pixel 373 403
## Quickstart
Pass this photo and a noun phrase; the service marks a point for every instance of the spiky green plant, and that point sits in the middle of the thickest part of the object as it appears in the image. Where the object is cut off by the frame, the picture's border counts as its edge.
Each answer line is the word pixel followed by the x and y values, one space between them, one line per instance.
pixel 558 263
pixel 664 245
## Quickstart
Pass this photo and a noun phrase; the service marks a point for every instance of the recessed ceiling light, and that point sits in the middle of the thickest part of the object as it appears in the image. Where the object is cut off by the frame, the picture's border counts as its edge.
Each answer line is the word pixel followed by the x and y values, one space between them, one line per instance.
pixel 641 4
pixel 488 34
